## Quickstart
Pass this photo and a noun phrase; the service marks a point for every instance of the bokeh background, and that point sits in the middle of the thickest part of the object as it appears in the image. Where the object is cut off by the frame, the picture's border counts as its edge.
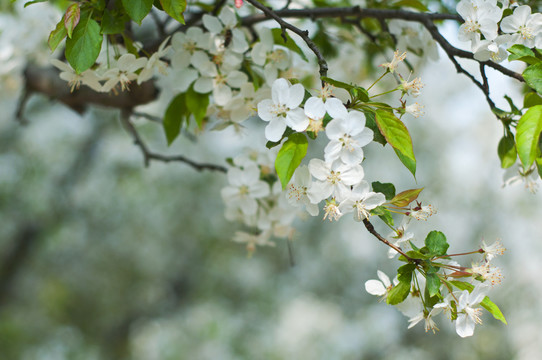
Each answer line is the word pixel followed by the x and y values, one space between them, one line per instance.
pixel 102 258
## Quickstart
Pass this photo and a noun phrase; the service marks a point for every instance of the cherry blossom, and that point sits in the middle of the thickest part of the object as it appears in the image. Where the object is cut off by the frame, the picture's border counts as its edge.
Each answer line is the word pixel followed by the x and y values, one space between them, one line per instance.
pixel 361 201
pixel 283 109
pixel 334 179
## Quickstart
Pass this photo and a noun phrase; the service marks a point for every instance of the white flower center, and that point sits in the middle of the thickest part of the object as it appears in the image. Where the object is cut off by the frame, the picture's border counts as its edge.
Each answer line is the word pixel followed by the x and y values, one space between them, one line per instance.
pixel 526 32
pixel 474 314
pixel 348 143
pixel 334 177
pixel 472 26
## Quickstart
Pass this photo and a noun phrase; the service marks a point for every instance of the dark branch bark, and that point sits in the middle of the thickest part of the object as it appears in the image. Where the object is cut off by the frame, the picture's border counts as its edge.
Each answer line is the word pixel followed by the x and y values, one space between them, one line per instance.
pixel 47 82
pixel 148 155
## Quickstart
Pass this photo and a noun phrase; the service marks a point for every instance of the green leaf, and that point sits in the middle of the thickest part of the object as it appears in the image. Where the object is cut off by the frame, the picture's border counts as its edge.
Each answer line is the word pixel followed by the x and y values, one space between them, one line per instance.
pixel 175 114
pixel 113 22
pixel 289 43
pixel 415 4
pixel 539 166
pixel 406 197
pixel 371 124
pixel 462 285
pixel 533 77
pixel 493 309
pixel 398 293
pixel 384 214
pixel 197 104
pixel 507 151
pixel 137 9
pixel 436 243
pixel 522 53
pixel 387 189
pixel 290 156
pixel 174 8
pixel 407 162
pixel 527 135
pixel 405 273
pixel 432 284
pixel 413 254
pixel 33 2
pixel 397 136
pixel 531 99
pixel 57 35
pixel 71 18
pixel 83 48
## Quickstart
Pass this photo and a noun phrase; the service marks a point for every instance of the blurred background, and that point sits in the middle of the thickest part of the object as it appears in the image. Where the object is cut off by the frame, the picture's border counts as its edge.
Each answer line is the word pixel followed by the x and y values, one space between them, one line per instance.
pixel 102 258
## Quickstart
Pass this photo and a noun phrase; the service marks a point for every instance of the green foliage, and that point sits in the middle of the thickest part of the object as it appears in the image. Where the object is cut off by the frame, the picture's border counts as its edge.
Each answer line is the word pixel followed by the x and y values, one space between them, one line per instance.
pixel 387 189
pixel 522 53
pixel 493 309
pixel 57 35
pixel 397 136
pixel 384 214
pixel 71 18
pixel 404 198
pixel 371 124
pixel 531 99
pixel 527 136
pixel 197 104
pixel 436 243
pixel 174 8
pixel 83 48
pixel 176 113
pixel 137 9
pixel 507 151
pixel 533 77
pixel 415 4
pixel 400 292
pixel 113 22
pixel 289 157
pixel 432 283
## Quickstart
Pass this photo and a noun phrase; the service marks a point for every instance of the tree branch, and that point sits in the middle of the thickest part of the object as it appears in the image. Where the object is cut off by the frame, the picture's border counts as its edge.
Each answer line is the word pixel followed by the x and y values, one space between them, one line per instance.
pixel 148 155
pixel 373 232
pixel 304 34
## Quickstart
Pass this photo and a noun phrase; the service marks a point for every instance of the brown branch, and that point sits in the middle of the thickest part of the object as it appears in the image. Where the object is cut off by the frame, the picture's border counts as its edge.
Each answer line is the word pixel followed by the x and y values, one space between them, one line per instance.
pixel 47 82
pixel 149 155
pixel 304 34
pixel 373 232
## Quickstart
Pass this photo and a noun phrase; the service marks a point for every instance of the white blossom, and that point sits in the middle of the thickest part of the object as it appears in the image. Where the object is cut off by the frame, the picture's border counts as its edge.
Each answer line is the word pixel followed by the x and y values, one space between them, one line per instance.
pixel 347 135
pixel 334 179
pixel 526 28
pixel 361 201
pixel 283 109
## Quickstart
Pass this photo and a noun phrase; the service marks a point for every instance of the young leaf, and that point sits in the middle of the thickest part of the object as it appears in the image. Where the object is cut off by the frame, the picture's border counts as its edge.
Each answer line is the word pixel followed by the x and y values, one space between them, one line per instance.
pixel 197 104
pixel 405 197
pixel 522 53
pixel 112 22
pixel 137 9
pixel 57 35
pixel 174 8
pixel 527 135
pixel 531 99
pixel 371 124
pixel 83 48
pixel 384 214
pixel 71 18
pixel 493 309
pixel 290 156
pixel 432 284
pixel 539 166
pixel 289 43
pixel 398 293
pixel 397 136
pixel 385 188
pixel 415 4
pixel 462 285
pixel 507 151
pixel 436 243
pixel 175 114
pixel 533 77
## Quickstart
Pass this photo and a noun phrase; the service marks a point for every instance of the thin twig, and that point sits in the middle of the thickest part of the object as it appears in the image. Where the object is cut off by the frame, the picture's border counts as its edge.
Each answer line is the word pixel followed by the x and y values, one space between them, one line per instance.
pixel 373 232
pixel 304 34
pixel 148 155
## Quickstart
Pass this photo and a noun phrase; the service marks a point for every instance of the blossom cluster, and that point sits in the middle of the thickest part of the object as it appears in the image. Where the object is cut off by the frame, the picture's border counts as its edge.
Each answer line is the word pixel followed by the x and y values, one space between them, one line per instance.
pixel 462 305
pixel 254 198
pixel 491 34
